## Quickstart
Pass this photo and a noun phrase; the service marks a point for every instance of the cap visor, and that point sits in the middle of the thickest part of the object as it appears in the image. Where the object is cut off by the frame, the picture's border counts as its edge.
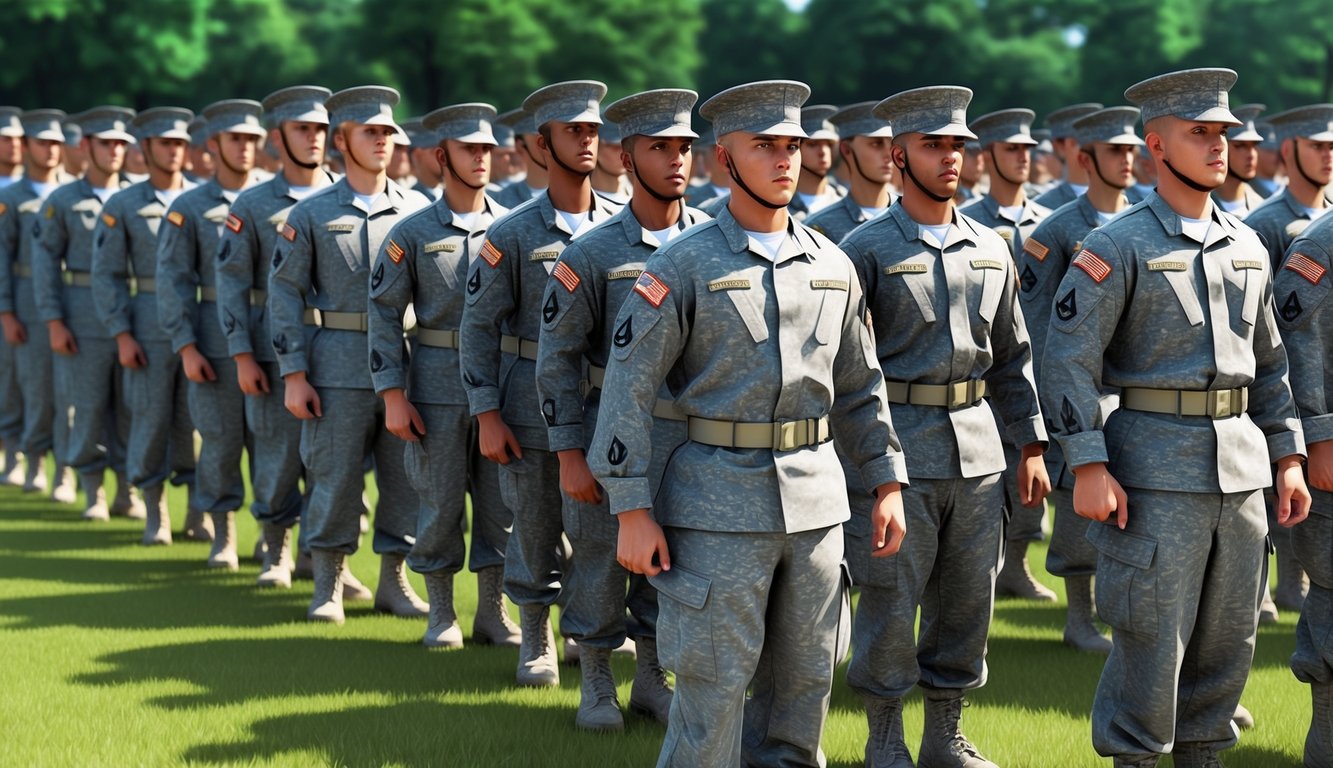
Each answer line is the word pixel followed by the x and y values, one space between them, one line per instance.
pixel 378 119
pixel 319 118
pixel 245 129
pixel 791 130
pixel 586 116
pixel 476 137
pixel 823 135
pixel 1017 138
pixel 1245 136
pixel 879 133
pixel 49 136
pixel 673 132
pixel 11 133
pixel 115 136
pixel 1216 115
pixel 1321 136
pixel 952 129
pixel 1130 141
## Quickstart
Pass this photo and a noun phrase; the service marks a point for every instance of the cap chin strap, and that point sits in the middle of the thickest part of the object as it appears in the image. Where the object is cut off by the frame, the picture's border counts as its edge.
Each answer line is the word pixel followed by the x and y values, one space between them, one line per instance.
pixel 995 168
pixel 1231 174
pixel 807 169
pixel 1098 168
pixel 907 171
pixel 736 177
pixel 573 171
pixel 1187 181
pixel 649 188
pixel 449 166
pixel 527 150
pixel 286 149
pixel 856 162
pixel 1296 155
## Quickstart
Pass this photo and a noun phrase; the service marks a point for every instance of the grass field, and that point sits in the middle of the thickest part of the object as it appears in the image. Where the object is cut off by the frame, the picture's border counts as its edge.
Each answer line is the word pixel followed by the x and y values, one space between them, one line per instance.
pixel 112 654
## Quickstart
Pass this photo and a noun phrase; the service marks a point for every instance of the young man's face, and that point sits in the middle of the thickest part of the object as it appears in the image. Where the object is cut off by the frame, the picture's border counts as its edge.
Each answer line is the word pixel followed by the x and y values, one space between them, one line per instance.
pixel 44 154
pixel 1244 159
pixel 1314 158
pixel 235 150
pixel 608 157
pixel 574 144
pixel 108 155
pixel 817 156
pixel 661 164
pixel 1197 150
pixel 166 154
pixel 471 162
pixel 1011 162
pixel 304 141
pixel 769 165
pixel 1112 163
pixel 869 156
pixel 933 161
pixel 369 146
pixel 11 150
pixel 969 172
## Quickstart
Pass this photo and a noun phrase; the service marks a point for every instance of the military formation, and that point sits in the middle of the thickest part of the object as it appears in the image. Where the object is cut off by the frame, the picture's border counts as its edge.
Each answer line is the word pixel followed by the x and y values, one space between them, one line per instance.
pixel 699 382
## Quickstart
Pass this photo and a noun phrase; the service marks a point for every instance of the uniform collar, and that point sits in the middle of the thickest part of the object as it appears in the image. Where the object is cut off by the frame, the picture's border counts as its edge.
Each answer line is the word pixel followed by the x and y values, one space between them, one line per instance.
pixel 392 198
pixel 797 243
pixel 448 218
pixel 635 232
pixel 1294 205
pixel 602 209
pixel 961 231
pixel 1027 216
pixel 282 188
pixel 1223 227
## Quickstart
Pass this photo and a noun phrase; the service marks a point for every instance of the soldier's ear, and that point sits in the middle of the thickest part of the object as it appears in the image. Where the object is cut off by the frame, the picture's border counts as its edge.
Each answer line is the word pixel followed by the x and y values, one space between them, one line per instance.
pixel 340 141
pixel 899 155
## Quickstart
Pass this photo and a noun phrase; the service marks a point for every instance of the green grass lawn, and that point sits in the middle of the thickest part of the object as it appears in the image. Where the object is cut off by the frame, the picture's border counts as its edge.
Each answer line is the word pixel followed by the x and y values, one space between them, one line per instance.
pixel 117 655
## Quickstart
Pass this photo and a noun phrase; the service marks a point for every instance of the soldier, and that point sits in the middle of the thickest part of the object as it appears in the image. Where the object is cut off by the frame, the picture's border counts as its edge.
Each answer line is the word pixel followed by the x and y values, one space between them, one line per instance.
pixel 537 174
pixel 426 170
pixel 298 126
pixel 970 173
pixel 866 149
pixel 1074 180
pixel 20 206
pixel 1005 138
pixel 716 179
pixel 501 322
pixel 1145 176
pixel 11 396
pixel 160 443
pixel 923 261
pixel 11 145
pixel 1236 196
pixel 1306 143
pixel 1267 181
pixel 608 178
pixel 593 280
pixel 1107 145
pixel 425 261
pixel 1300 292
pixel 506 167
pixel 814 192
pixel 76 157
pixel 94 421
pixel 323 270
pixel 187 254
pixel 1171 303
pixel 400 165
pixel 743 540
pixel 200 167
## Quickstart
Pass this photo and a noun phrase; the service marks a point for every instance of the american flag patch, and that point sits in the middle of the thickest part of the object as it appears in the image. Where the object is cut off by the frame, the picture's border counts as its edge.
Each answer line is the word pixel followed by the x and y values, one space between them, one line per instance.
pixel 652 289
pixel 395 251
pixel 1093 264
pixel 108 220
pixel 1306 267
pixel 491 254
pixel 1035 249
pixel 177 218
pixel 288 232
pixel 566 276
pixel 234 222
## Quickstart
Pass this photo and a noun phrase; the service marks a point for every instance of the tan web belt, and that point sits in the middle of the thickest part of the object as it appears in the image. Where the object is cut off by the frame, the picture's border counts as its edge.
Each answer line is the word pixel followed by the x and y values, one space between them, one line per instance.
pixel 22 270
pixel 954 396
pixel 1213 403
pixel 436 337
pixel 78 279
pixel 780 436
pixel 524 348
pixel 142 285
pixel 336 321
pixel 662 409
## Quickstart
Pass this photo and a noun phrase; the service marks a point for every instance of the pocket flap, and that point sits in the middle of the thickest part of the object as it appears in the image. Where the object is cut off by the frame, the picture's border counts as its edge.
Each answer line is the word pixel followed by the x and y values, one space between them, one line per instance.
pixel 683 585
pixel 1132 550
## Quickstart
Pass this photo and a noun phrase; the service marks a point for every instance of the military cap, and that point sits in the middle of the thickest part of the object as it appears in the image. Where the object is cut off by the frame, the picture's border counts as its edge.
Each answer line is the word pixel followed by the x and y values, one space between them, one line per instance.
pixel 107 123
pixel 1266 130
pixel 416 133
pixel 1007 126
pixel 706 138
pixel 662 113
pixel 235 116
pixel 769 107
pixel 1061 122
pixel 609 132
pixel 299 103
pixel 1113 125
pixel 10 124
pixel 73 131
pixel 573 101
pixel 43 124
pixel 815 122
pixel 1043 139
pixel 519 120
pixel 469 123
pixel 1312 121
pixel 504 134
pixel 859 120
pixel 198 131
pixel 1247 114
pixel 163 123
pixel 364 104
pixel 937 110
pixel 1190 94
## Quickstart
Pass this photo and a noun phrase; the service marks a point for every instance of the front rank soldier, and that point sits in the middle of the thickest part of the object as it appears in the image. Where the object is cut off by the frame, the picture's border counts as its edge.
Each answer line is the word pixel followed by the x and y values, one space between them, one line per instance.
pixel 94 418
pixel 1060 123
pixel 943 294
pixel 11 395
pixel 298 126
pixel 323 271
pixel 814 191
pixel 20 221
pixel 160 445
pixel 1171 303
pixel 1236 196
pixel 867 152
pixel 1006 142
pixel 501 322
pixel 592 281
pixel 425 262
pixel 757 325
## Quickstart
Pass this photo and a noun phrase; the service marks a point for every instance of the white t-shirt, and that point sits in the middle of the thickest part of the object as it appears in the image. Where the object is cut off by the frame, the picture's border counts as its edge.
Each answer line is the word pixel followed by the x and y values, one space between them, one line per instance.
pixel 1011 212
pixel 665 236
pixel 873 213
pixel 43 189
pixel 1196 229
pixel 1231 206
pixel 575 221
pixel 935 234
pixel 1103 217
pixel 466 220
pixel 367 200
pixel 300 193
pixel 168 196
pixel 769 242
pixel 103 194
pixel 1078 189
pixel 1315 213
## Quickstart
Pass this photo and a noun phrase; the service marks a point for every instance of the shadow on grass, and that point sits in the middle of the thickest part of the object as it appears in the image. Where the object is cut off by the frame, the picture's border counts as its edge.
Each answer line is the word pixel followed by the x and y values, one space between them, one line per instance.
pixel 76 535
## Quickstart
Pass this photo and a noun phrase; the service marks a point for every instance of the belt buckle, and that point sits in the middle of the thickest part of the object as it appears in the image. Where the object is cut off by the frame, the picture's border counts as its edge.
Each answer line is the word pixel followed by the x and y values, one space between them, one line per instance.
pixel 1219 403
pixel 959 395
pixel 784 436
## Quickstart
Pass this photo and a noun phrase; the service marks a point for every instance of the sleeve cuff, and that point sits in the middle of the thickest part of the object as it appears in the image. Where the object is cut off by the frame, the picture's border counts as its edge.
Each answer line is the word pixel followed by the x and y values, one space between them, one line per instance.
pixel 1285 444
pixel 392 378
pixel 118 325
pixel 566 437
pixel 183 340
pixel 1084 448
pixel 889 468
pixel 1027 432
pixel 483 399
pixel 292 362
pixel 1317 429
pixel 626 493
pixel 239 344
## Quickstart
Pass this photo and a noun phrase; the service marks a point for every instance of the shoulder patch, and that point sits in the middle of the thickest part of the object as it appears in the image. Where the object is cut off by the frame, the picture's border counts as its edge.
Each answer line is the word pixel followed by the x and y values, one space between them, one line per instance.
pixel 566 275
pixel 288 232
pixel 177 218
pixel 108 220
pixel 1306 267
pixel 651 288
pixel 1291 308
pixel 1035 249
pixel 490 254
pixel 395 251
pixel 1093 264
pixel 234 223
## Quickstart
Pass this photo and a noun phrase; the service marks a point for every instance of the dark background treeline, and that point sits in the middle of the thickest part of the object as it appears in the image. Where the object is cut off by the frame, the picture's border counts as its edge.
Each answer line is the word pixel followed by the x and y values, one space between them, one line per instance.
pixel 73 54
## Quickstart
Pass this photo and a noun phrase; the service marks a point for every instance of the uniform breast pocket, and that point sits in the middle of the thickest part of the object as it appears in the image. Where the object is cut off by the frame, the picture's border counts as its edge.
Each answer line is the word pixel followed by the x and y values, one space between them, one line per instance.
pixel 747 305
pixel 832 310
pixel 921 285
pixel 992 290
pixel 1181 284
pixel 1254 288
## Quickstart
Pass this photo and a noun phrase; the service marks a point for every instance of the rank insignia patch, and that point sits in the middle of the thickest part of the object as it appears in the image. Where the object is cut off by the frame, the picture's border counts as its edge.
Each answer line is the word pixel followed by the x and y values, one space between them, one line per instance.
pixel 1291 308
pixel 108 220
pixel 395 251
pixel 1067 307
pixel 234 222
pixel 1035 249
pixel 177 218
pixel 288 232
pixel 490 254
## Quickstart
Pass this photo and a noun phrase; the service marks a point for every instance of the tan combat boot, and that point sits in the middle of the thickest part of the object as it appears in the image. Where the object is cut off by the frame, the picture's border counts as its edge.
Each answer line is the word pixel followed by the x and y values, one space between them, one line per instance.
pixel 492 625
pixel 66 491
pixel 198 526
pixel 536 655
pixel 442 631
pixel 128 502
pixel 327 603
pixel 276 570
pixel 394 595
pixel 95 497
pixel 157 520
pixel 1081 632
pixel 650 696
pixel 599 709
pixel 943 744
pixel 1015 578
pixel 223 552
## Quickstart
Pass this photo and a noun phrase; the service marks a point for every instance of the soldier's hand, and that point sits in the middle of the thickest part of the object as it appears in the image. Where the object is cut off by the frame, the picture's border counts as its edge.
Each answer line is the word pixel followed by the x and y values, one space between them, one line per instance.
pixel 129 352
pixel 1097 495
pixel 401 417
pixel 15 334
pixel 576 479
pixel 1293 498
pixel 196 366
pixel 1320 465
pixel 301 399
pixel 62 341
pixel 888 525
pixel 250 375
pixel 1033 482
pixel 641 547
pixel 494 438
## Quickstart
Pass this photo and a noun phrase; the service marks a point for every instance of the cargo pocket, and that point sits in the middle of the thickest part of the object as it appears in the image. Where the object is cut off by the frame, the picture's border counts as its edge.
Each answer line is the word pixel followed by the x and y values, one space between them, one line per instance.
pixel 684 625
pixel 416 466
pixel 1312 543
pixel 309 433
pixel 1126 579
